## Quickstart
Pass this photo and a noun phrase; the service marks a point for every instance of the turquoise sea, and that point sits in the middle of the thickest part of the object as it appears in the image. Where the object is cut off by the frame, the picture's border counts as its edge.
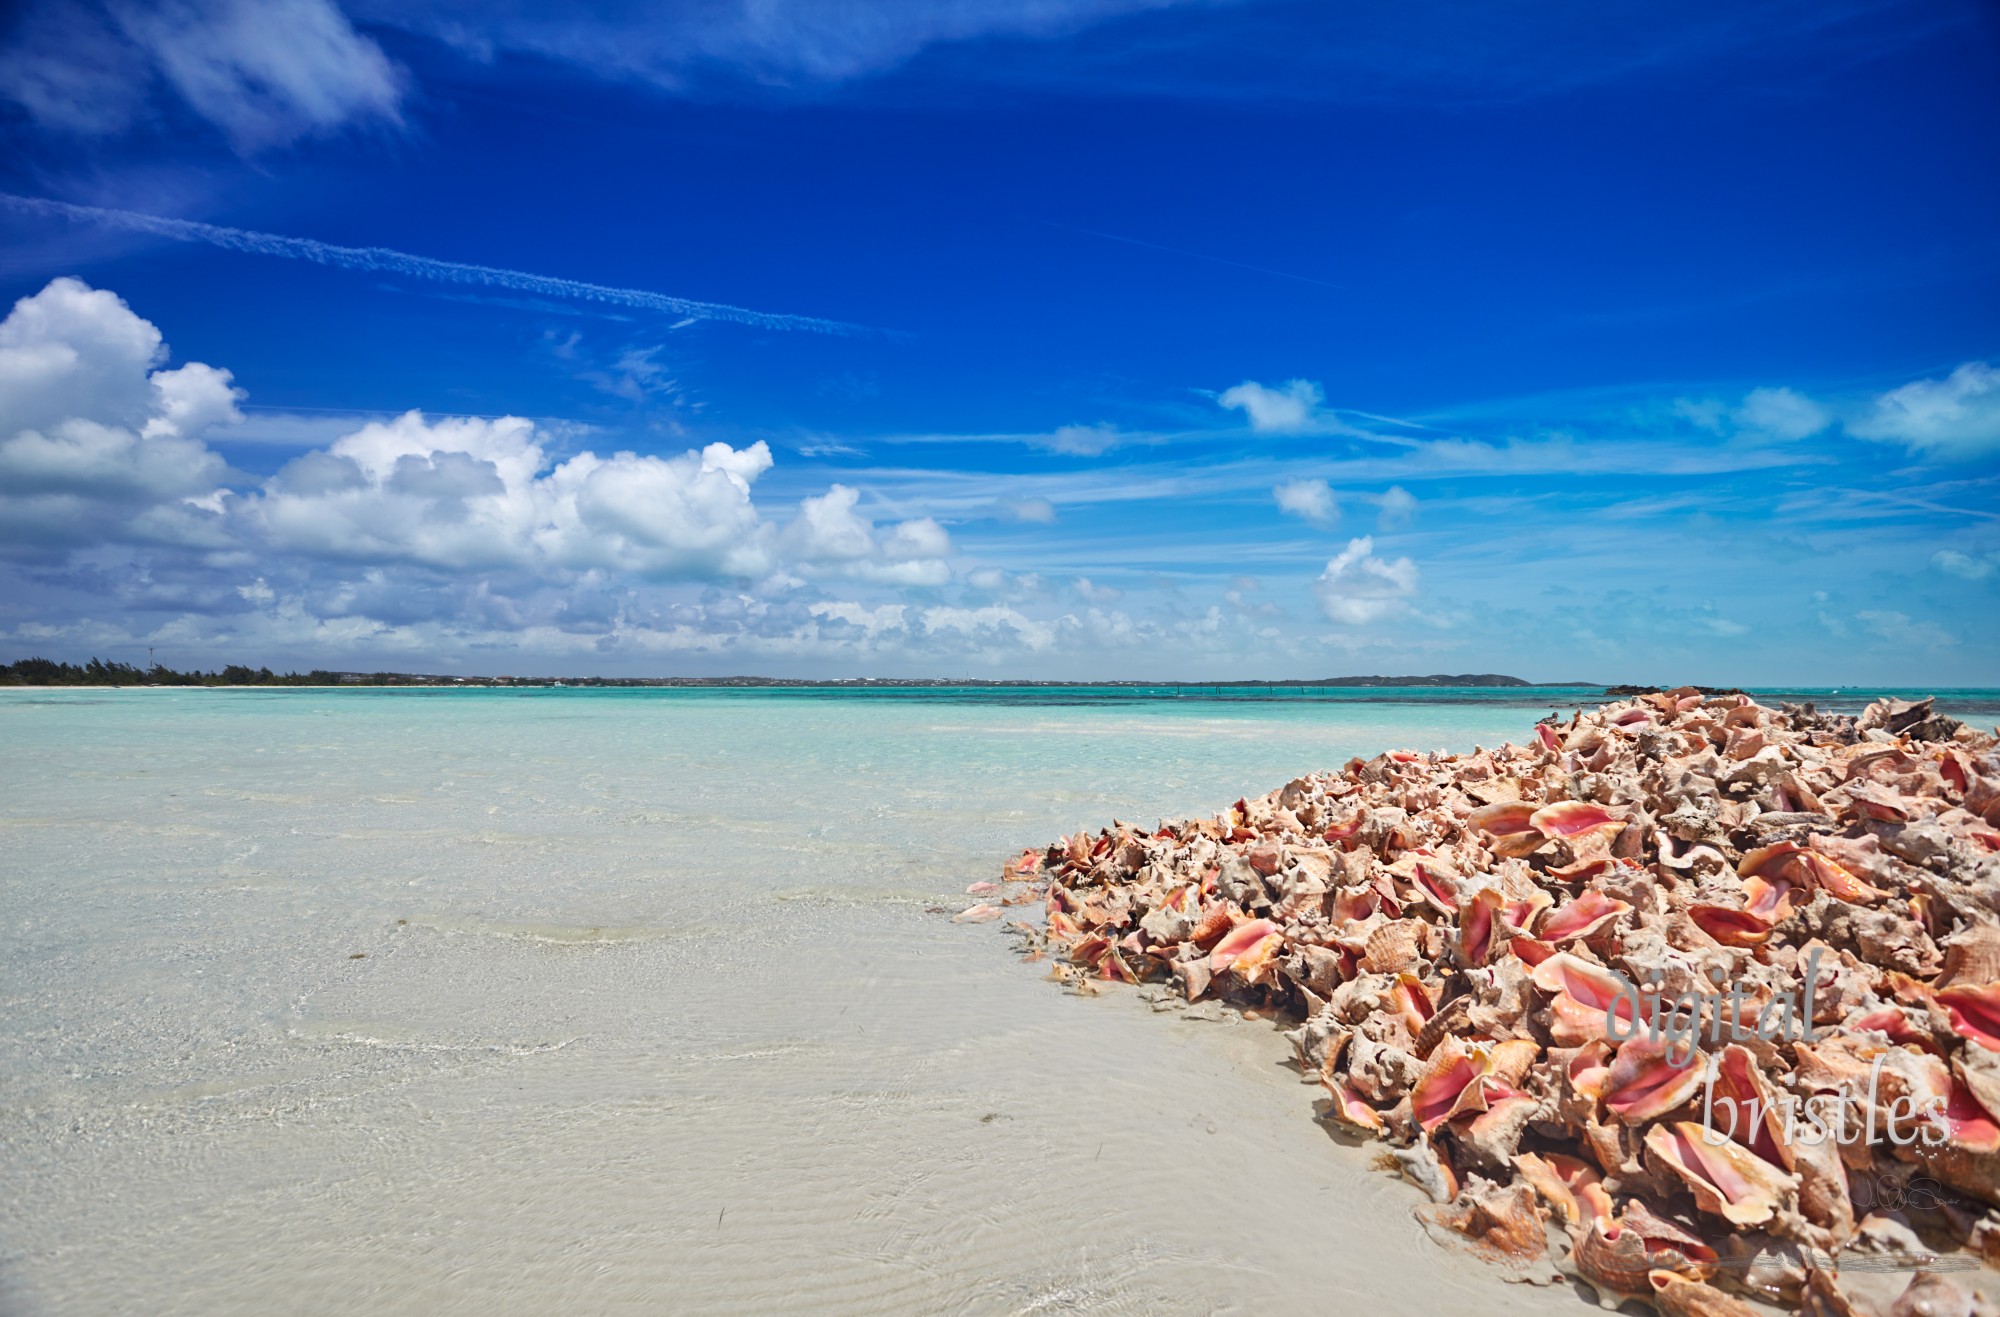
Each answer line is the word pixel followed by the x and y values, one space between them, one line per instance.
pixel 322 1000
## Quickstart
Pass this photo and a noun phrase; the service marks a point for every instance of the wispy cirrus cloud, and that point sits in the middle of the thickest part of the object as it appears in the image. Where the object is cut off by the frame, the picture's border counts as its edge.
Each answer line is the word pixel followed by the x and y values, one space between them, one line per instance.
pixel 771 43
pixel 385 260
pixel 264 72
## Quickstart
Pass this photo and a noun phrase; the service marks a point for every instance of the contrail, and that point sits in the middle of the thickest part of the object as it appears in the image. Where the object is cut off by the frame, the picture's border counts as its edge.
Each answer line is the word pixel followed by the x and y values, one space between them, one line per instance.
pixel 418 267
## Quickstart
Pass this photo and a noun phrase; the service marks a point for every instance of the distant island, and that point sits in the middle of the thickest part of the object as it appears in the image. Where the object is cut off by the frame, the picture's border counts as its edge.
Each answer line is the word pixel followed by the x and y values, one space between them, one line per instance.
pixel 47 672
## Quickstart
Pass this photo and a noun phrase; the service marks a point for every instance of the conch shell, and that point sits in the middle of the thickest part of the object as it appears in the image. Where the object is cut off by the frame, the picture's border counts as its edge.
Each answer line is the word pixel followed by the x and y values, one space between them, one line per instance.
pixel 1727 1179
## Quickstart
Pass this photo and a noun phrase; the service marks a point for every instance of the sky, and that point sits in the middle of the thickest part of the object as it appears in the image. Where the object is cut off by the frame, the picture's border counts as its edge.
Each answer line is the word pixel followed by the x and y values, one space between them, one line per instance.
pixel 1107 339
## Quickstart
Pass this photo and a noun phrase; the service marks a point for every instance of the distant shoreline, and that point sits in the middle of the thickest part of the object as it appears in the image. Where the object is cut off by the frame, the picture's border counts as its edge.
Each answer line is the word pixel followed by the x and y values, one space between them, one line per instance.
pixel 336 680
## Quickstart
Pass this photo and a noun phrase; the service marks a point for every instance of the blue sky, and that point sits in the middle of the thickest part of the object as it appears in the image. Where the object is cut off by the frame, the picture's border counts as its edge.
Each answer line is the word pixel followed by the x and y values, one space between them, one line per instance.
pixel 1048 338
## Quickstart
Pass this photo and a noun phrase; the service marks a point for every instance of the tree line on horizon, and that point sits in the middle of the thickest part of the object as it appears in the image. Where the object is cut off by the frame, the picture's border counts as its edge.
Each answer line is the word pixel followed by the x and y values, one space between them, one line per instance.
pixel 48 672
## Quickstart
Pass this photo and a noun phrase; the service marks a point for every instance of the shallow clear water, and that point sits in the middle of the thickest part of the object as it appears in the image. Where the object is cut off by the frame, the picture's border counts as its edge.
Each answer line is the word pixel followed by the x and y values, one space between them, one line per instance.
pixel 649 1012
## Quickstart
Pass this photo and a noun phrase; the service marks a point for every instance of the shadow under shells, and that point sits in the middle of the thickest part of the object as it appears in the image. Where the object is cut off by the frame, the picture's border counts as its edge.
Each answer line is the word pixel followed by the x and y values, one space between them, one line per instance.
pixel 1450 934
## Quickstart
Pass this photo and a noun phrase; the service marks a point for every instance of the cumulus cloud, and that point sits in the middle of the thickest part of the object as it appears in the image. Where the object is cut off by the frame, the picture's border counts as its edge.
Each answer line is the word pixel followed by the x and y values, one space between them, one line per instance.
pixel 96 443
pixel 1087 589
pixel 1358 588
pixel 1397 505
pixel 871 622
pixel 475 494
pixel 1955 417
pixel 1292 408
pixel 992 625
pixel 410 526
pixel 264 72
pixel 830 538
pixel 1007 585
pixel 1309 500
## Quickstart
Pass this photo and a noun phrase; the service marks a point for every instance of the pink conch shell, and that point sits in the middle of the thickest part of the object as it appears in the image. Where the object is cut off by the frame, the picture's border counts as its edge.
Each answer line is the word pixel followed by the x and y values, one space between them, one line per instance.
pixel 1478 922
pixel 1890 1020
pixel 1530 951
pixel 1586 995
pixel 1741 1105
pixel 1517 914
pixel 1549 1183
pixel 1768 899
pixel 1574 818
pixel 1589 1071
pixel 1504 1223
pixel 1413 1003
pixel 1510 825
pixel 1548 738
pixel 1342 831
pixel 1727 1179
pixel 1768 862
pixel 1351 1108
pixel 1611 1257
pixel 1644 1084
pixel 1355 903
pixel 1581 917
pixel 977 914
pixel 1676 1295
pixel 1441 1089
pixel 1834 878
pixel 1730 926
pixel 1972 1126
pixel 1975 1012
pixel 1212 926
pixel 1438 883
pixel 1246 947
pixel 1459 1079
pixel 1026 862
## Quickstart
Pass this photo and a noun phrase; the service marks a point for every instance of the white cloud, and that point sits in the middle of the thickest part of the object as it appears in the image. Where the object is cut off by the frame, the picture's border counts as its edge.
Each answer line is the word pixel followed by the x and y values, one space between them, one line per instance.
pixel 1964 565
pixel 1007 585
pixel 993 625
pixel 406 530
pixel 96 444
pixel 1032 511
pixel 76 351
pixel 1782 414
pixel 1097 594
pixel 1900 627
pixel 922 538
pixel 830 538
pixel 475 494
pixel 191 400
pixel 1081 440
pixel 264 72
pixel 1311 500
pixel 1290 409
pixel 1358 588
pixel 1955 417
pixel 1397 505
pixel 872 621
pixel 774 43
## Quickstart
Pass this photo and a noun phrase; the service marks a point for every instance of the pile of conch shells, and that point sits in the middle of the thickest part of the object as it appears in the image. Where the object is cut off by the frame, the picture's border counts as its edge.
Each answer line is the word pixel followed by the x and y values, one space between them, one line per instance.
pixel 1452 933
